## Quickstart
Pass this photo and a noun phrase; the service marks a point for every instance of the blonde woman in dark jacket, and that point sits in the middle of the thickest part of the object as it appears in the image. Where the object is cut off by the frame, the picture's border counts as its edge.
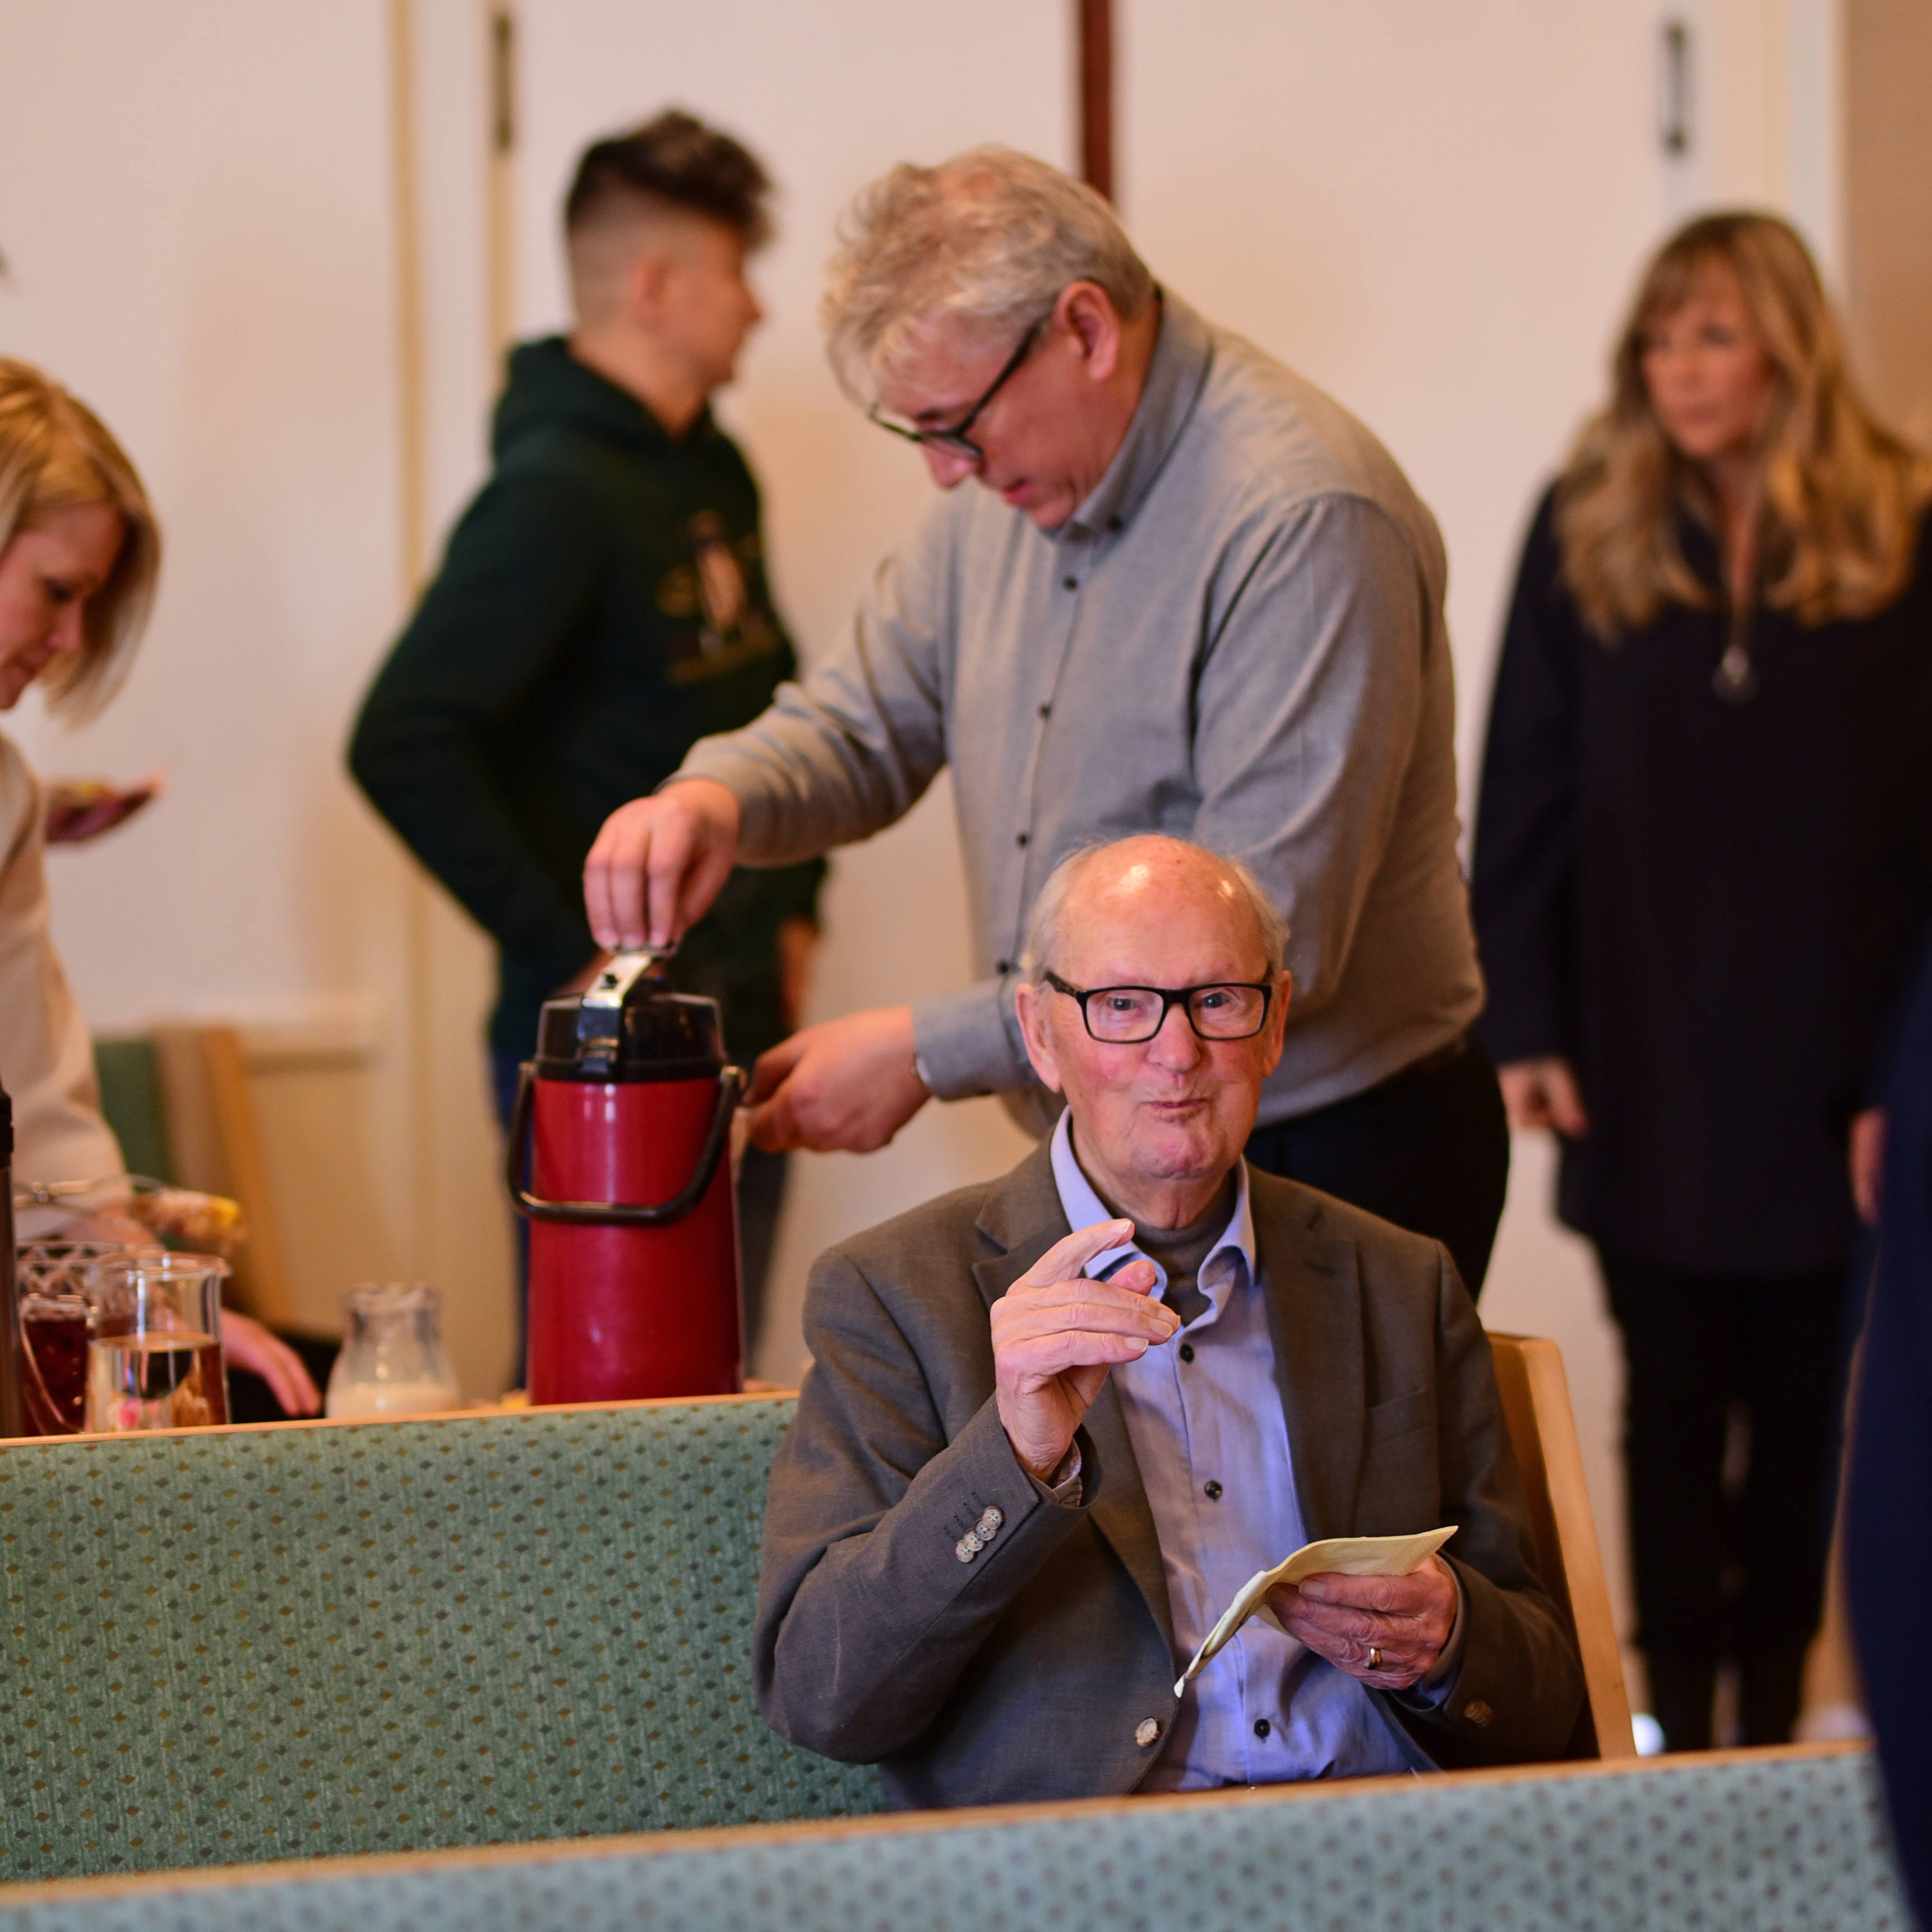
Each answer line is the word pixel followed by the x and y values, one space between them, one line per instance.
pixel 1703 850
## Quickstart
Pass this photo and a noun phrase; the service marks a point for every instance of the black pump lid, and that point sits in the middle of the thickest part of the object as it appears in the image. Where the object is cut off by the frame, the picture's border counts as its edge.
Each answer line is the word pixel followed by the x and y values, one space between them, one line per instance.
pixel 655 1034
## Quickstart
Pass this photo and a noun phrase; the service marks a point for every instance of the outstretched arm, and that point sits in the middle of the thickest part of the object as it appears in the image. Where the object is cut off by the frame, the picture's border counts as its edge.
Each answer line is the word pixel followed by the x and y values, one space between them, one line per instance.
pixel 833 760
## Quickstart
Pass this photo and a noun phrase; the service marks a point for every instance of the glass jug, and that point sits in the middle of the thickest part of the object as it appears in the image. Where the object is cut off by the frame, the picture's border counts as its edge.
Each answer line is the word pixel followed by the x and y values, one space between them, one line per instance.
pixel 392 1361
pixel 154 1349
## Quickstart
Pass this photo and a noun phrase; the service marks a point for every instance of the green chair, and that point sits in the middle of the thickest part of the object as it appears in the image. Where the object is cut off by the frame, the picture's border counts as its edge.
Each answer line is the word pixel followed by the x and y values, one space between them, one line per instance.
pixel 309 1639
pixel 130 1098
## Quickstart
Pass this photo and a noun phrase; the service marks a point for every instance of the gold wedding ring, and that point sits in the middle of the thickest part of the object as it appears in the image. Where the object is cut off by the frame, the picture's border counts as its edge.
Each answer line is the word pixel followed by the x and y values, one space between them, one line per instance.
pixel 1375 1657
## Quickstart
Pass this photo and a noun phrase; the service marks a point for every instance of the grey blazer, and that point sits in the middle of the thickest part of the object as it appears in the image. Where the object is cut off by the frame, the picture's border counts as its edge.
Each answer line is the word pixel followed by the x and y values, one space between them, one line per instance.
pixel 1030 1671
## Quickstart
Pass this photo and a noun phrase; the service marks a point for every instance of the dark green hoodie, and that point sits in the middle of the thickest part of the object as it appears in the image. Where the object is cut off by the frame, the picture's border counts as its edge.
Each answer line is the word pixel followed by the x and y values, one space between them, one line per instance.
pixel 602 604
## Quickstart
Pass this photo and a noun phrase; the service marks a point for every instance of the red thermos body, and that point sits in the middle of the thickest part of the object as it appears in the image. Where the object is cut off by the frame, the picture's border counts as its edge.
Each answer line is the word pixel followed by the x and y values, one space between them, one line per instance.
pixel 623 1124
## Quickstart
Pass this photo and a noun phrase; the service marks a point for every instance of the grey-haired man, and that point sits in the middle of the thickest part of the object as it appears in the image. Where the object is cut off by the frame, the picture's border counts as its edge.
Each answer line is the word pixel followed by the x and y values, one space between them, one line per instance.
pixel 1191 595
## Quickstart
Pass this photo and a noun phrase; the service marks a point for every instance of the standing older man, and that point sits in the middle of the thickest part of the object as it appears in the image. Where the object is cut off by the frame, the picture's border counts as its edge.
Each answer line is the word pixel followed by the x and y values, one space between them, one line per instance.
pixel 1191 595
pixel 1055 1422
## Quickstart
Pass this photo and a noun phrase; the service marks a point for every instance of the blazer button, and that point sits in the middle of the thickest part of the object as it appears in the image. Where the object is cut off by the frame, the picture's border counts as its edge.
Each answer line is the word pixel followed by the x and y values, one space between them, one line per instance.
pixel 1212 1491
pixel 1147 1732
pixel 1476 1712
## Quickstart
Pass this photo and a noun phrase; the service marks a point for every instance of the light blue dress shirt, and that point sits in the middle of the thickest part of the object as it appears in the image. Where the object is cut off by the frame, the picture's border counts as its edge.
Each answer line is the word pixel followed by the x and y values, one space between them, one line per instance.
pixel 1211 1441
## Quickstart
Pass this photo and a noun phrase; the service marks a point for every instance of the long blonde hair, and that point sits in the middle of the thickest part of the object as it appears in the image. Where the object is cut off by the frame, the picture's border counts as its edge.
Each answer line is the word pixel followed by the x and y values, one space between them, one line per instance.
pixel 55 454
pixel 1839 496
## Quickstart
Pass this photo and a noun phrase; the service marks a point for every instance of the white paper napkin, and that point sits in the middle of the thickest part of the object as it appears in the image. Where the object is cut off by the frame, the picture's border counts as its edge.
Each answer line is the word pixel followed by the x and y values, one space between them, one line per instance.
pixel 1338 1556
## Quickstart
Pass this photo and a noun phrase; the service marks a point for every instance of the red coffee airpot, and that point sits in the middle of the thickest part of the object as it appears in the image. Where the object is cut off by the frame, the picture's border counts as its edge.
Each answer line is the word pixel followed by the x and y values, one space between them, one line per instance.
pixel 619 1155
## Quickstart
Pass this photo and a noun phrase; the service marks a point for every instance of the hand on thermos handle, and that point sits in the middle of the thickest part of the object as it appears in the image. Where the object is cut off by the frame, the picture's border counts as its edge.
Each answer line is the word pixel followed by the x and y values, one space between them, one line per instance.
pixel 657 864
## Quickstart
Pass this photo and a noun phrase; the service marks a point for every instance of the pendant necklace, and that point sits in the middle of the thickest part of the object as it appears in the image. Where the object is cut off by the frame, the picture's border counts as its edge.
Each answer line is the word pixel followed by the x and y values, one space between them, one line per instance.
pixel 1735 679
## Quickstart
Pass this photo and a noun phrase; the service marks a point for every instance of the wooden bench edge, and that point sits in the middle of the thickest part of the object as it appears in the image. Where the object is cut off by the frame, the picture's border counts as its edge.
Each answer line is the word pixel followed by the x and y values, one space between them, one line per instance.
pixel 544 1851
pixel 484 1413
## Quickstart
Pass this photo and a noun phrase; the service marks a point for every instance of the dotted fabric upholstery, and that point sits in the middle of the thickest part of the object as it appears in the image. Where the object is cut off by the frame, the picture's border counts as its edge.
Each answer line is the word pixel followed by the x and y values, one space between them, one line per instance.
pixel 295 1643
pixel 1779 1842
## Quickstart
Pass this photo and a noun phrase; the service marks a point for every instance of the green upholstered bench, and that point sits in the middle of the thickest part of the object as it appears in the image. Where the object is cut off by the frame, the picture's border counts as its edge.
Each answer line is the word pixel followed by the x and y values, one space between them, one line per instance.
pixel 1738 1842
pixel 318 1639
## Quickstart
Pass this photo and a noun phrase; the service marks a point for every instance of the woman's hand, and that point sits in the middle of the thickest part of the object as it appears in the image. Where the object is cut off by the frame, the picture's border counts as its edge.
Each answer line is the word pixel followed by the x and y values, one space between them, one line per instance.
pixel 81 808
pixel 1543 1094
pixel 248 1345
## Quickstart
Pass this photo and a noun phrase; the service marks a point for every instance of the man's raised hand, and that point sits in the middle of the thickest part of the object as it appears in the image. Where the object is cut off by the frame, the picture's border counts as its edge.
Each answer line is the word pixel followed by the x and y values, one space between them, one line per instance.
pixel 1056 1334
pixel 659 863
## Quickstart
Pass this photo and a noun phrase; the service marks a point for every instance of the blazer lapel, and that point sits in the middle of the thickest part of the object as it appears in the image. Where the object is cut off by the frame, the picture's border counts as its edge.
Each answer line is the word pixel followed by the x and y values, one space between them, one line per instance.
pixel 1314 1315
pixel 1024 1216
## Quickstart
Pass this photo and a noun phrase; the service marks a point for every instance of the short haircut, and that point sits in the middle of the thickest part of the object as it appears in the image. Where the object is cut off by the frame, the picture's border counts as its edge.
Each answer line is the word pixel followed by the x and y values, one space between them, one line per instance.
pixel 55 454
pixel 988 239
pixel 674 161
pixel 1044 924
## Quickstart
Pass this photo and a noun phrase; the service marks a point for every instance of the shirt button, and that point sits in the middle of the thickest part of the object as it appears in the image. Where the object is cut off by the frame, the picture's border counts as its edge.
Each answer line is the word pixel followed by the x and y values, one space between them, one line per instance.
pixel 1020 838
pixel 1069 584
pixel 1212 1491
pixel 1046 711
pixel 1260 1727
pixel 1187 1351
pixel 1003 967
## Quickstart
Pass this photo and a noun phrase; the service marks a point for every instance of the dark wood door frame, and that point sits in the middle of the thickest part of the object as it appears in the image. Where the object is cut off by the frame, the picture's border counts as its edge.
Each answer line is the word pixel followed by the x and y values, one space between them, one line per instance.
pixel 1097 93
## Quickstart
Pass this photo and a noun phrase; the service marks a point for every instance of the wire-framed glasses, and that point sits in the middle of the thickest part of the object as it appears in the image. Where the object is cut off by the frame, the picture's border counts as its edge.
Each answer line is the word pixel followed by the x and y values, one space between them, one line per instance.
pixel 954 441
pixel 1129 1015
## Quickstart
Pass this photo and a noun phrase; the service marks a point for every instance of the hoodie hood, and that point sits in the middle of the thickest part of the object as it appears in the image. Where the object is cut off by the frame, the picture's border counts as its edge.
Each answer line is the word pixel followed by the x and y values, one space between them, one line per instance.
pixel 548 389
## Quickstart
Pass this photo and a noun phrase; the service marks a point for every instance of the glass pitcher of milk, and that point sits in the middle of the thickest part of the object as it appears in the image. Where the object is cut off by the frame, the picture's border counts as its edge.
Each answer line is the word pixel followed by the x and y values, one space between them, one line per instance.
pixel 392 1362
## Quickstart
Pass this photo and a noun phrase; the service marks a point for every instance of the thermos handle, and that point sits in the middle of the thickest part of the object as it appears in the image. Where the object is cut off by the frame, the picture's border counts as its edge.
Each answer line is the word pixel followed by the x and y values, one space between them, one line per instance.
pixel 731 1084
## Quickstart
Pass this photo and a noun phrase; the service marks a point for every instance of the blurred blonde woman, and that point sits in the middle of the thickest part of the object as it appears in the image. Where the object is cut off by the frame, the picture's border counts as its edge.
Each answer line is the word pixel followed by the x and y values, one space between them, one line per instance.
pixel 1703 850
pixel 79 552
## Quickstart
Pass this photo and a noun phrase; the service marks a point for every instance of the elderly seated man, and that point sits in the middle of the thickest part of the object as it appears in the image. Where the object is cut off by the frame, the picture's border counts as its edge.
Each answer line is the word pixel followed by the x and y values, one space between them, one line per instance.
pixel 1055 1422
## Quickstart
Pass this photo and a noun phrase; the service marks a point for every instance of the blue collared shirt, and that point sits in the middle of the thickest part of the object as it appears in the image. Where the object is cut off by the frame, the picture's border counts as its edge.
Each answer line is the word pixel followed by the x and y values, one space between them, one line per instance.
pixel 1211 1440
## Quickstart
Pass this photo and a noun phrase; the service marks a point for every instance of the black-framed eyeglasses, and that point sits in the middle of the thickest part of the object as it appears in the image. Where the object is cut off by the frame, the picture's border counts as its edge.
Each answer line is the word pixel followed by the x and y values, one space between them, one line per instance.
pixel 954 441
pixel 1131 1015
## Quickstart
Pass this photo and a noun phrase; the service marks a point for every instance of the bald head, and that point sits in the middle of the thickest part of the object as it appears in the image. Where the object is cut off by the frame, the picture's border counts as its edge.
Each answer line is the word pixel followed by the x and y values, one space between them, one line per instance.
pixel 1187 880
pixel 1163 1090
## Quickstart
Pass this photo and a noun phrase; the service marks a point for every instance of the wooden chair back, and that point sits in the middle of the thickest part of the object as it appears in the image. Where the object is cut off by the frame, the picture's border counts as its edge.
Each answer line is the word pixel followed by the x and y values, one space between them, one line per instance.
pixel 1543 1432
pixel 215 1144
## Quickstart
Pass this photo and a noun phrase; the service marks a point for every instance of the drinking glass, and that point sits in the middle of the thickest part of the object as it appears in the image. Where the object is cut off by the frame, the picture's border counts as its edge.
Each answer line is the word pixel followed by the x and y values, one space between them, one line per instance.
pixel 153 1354
pixel 52 1281
pixel 392 1361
